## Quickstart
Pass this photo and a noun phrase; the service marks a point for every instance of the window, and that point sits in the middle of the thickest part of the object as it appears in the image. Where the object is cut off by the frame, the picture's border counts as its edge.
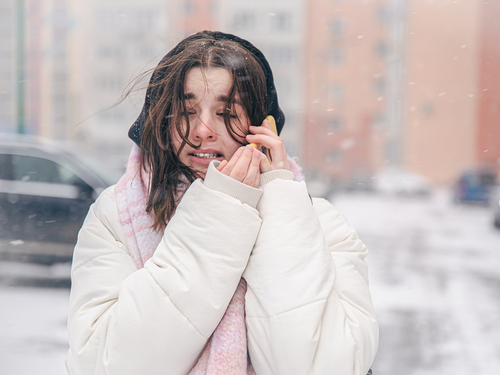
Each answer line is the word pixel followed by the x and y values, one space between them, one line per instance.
pixel 244 21
pixel 335 157
pixel 282 22
pixel 212 8
pixel 337 26
pixel 380 85
pixel 379 122
pixel 110 51
pixel 382 49
pixel 336 56
pixel 336 123
pixel 4 159
pixel 382 14
pixel 336 92
pixel 189 7
pixel 145 19
pixel 281 54
pixel 35 169
pixel 109 83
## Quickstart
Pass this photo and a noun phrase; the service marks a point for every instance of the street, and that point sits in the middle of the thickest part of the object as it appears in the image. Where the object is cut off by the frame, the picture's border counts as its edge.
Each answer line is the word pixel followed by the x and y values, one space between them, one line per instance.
pixel 435 283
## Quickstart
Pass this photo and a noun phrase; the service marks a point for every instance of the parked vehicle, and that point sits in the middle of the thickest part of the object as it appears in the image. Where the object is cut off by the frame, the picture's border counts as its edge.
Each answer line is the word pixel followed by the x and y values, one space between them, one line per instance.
pixel 401 182
pixel 496 207
pixel 45 194
pixel 475 187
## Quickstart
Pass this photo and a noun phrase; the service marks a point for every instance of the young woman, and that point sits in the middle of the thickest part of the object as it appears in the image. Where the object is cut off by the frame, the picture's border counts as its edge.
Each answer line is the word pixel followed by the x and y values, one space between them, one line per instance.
pixel 208 258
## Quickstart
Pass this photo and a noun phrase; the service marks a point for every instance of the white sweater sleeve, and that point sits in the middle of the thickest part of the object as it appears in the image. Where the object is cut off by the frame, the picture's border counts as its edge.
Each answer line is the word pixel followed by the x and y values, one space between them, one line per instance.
pixel 156 320
pixel 309 309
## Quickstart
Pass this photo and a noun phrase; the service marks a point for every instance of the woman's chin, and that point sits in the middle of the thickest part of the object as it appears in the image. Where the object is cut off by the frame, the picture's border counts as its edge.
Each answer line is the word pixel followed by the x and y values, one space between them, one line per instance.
pixel 200 172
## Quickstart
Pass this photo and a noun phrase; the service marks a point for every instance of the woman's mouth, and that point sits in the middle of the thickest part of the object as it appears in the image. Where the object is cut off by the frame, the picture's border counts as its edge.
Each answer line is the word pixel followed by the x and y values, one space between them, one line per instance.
pixel 206 155
pixel 204 158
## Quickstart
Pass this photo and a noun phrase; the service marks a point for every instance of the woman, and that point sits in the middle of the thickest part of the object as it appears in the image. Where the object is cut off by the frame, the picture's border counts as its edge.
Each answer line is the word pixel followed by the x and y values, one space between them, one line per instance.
pixel 207 258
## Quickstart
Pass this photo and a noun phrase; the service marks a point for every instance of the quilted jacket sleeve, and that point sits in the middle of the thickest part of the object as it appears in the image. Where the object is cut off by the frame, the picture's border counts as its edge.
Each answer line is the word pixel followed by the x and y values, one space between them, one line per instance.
pixel 156 320
pixel 309 309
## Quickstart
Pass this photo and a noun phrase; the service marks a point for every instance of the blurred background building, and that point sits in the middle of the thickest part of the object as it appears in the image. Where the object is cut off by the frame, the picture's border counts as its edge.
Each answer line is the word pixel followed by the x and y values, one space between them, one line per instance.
pixel 365 85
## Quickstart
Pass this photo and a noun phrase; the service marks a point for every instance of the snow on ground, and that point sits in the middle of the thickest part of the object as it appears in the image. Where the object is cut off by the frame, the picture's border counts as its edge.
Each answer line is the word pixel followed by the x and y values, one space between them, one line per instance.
pixel 435 280
pixel 33 339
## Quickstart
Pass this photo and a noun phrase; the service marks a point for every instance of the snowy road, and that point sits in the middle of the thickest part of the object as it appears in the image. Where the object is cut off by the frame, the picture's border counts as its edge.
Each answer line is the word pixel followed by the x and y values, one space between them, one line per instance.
pixel 435 279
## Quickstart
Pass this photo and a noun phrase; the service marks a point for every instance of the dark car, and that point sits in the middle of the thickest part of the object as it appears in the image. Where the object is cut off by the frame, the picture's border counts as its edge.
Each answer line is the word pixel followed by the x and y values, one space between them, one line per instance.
pixel 45 194
pixel 475 187
pixel 496 208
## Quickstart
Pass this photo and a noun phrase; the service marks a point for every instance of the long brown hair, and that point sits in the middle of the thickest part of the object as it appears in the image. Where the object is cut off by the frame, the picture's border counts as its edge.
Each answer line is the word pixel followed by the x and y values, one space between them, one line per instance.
pixel 168 112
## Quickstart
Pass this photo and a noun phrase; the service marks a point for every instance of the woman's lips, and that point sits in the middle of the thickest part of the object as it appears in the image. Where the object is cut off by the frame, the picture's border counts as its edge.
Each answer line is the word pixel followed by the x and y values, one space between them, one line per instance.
pixel 205 160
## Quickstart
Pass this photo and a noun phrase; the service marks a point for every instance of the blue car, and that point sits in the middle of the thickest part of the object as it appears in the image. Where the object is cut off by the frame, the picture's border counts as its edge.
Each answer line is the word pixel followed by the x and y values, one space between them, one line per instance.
pixel 475 187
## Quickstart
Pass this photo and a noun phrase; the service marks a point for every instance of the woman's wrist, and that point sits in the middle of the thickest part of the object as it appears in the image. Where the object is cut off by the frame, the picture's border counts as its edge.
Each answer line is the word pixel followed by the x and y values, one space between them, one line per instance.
pixel 283 174
pixel 218 181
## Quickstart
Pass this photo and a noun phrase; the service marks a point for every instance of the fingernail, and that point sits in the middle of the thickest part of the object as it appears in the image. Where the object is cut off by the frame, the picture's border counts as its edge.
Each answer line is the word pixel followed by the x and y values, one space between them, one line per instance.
pixel 256 154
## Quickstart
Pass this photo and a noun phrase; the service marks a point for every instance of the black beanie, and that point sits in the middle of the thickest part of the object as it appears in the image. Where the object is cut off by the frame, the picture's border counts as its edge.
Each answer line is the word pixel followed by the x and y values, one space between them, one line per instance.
pixel 137 128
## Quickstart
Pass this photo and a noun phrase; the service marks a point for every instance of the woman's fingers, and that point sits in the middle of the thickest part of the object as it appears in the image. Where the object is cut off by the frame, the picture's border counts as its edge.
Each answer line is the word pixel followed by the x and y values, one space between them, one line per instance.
pixel 265 128
pixel 221 166
pixel 228 166
pixel 246 165
pixel 253 174
pixel 240 169
pixel 272 142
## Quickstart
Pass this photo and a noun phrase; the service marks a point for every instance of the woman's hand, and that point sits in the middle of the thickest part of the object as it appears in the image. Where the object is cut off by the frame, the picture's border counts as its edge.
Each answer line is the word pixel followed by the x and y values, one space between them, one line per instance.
pixel 244 166
pixel 265 136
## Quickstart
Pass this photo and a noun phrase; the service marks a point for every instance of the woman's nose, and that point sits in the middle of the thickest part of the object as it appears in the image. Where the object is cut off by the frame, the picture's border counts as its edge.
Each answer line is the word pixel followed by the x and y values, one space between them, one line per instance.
pixel 204 128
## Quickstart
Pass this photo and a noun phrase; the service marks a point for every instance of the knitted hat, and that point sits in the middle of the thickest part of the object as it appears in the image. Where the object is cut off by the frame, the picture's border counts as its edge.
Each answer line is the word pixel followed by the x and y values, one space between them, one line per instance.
pixel 137 128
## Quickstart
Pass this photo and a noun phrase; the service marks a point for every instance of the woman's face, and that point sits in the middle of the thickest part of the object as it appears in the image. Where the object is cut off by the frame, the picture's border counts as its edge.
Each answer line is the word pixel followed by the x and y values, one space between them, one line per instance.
pixel 206 97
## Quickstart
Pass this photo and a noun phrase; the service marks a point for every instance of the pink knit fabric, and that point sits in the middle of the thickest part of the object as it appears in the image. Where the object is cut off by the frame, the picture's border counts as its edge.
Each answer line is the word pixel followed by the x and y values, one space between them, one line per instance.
pixel 225 353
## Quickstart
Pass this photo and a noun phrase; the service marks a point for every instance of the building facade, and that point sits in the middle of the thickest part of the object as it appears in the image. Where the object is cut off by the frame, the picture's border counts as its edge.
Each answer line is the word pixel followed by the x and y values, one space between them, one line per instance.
pixel 346 83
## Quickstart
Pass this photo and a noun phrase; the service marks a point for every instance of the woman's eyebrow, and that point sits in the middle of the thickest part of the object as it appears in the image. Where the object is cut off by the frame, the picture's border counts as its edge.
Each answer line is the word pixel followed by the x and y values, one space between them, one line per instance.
pixel 225 99
pixel 189 96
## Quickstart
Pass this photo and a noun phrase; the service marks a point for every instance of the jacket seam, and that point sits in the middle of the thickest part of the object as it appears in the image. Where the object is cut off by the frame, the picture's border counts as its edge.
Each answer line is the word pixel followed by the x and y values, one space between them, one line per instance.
pixel 97 257
pixel 287 311
pixel 173 304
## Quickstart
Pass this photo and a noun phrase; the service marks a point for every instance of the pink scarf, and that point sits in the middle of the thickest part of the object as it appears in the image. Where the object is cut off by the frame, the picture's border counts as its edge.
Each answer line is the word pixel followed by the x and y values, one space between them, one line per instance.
pixel 226 351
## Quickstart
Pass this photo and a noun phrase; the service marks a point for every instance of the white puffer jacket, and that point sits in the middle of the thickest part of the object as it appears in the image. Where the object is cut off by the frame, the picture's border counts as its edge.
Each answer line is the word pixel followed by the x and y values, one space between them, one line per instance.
pixel 308 306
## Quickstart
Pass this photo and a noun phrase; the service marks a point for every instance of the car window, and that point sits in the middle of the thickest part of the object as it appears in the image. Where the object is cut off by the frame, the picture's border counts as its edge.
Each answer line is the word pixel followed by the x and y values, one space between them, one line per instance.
pixel 4 170
pixel 488 179
pixel 35 169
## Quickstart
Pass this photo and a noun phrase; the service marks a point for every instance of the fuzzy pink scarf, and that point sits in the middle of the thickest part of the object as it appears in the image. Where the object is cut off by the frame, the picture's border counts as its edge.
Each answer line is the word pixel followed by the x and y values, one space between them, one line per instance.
pixel 226 351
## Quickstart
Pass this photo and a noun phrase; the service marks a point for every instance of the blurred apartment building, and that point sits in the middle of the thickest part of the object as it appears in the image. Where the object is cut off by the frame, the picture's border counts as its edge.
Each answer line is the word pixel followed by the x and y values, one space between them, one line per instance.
pixel 78 59
pixel 364 84
pixel 346 79
pixel 115 41
pixel 36 37
pixel 82 56
pixel 7 65
pixel 411 84
pixel 452 87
